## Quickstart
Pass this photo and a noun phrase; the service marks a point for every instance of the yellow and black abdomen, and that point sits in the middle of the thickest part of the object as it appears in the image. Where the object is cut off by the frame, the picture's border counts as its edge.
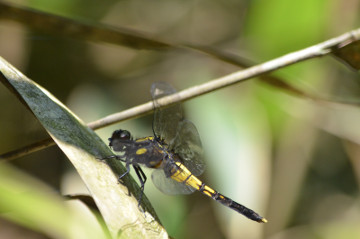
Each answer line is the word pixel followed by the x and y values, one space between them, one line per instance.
pixel 181 174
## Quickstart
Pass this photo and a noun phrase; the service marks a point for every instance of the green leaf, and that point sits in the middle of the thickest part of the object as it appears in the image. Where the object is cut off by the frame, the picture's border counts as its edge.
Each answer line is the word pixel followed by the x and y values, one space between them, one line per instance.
pixel 116 202
pixel 32 204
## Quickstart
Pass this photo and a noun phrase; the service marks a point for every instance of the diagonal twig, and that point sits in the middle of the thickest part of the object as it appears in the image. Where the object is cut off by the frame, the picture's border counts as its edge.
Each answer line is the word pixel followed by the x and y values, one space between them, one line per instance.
pixel 314 51
pixel 57 25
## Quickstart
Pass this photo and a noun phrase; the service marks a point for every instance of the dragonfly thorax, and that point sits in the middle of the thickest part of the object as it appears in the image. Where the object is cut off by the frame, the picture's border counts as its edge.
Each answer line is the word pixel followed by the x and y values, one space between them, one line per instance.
pixel 147 151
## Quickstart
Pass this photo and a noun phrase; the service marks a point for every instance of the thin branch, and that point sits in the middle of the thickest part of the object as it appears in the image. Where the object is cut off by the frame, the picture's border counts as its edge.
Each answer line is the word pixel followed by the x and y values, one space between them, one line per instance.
pixel 314 51
pixel 28 149
pixel 57 25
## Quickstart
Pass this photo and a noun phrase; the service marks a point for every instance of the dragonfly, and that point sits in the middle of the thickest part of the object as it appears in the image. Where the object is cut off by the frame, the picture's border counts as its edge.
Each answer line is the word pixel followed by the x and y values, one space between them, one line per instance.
pixel 174 152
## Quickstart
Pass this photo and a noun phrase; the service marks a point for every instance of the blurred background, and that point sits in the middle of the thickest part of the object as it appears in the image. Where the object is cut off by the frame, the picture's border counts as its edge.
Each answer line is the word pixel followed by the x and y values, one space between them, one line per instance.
pixel 294 160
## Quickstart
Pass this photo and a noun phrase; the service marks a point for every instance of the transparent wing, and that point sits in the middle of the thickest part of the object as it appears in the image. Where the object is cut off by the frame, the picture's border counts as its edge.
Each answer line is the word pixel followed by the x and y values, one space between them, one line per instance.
pixel 166 119
pixel 187 145
pixel 168 185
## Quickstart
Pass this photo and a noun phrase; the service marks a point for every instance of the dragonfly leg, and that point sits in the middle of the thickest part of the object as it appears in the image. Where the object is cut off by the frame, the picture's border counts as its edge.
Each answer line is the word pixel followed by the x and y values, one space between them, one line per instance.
pixel 126 172
pixel 142 178
pixel 117 157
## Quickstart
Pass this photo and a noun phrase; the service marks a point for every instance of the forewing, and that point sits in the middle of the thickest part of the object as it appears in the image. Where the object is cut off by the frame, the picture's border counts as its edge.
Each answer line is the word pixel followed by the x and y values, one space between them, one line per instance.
pixel 187 145
pixel 168 185
pixel 166 119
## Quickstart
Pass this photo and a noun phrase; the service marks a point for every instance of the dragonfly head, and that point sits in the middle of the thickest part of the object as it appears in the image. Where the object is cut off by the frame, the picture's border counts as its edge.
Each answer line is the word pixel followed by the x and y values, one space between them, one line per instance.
pixel 118 138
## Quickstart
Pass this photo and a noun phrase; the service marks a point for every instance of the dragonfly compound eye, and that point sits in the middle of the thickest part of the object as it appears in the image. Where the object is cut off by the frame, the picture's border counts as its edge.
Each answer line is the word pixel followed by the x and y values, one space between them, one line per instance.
pixel 124 134
pixel 117 139
pixel 120 135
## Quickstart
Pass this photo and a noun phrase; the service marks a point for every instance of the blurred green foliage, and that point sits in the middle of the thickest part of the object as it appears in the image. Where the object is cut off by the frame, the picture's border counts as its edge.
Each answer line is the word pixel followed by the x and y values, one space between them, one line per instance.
pixel 30 203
